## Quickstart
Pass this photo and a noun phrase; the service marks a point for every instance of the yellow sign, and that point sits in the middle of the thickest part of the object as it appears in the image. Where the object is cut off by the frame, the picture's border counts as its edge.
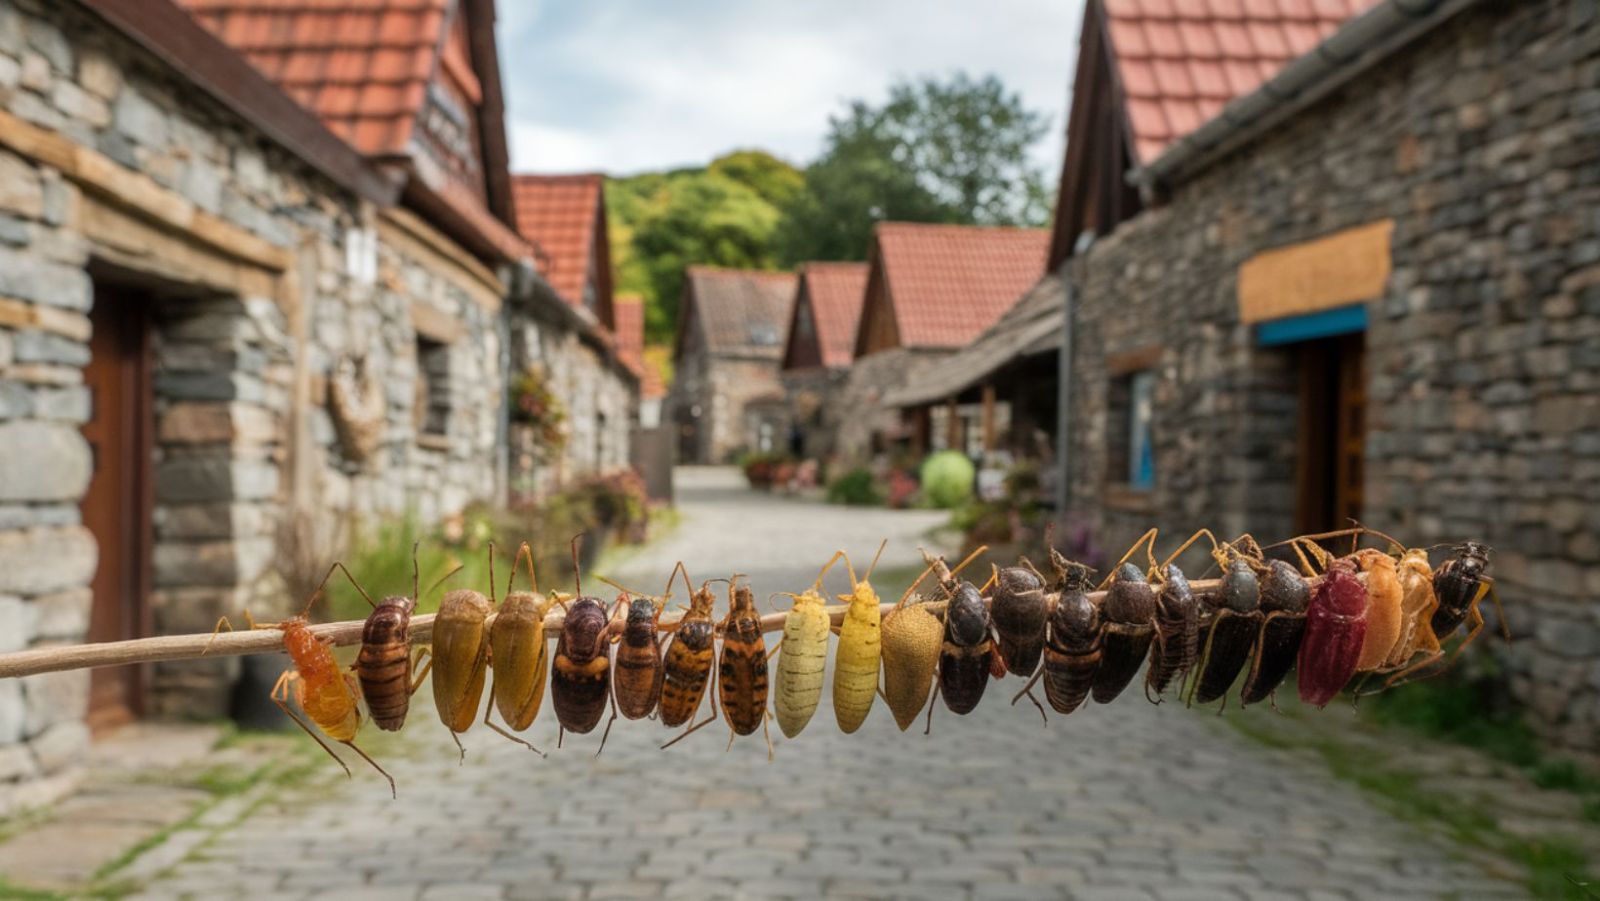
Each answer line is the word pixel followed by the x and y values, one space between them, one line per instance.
pixel 1331 271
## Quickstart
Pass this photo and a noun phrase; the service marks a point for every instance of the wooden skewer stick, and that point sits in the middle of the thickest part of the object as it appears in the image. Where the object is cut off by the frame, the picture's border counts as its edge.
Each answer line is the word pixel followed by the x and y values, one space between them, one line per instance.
pixel 267 640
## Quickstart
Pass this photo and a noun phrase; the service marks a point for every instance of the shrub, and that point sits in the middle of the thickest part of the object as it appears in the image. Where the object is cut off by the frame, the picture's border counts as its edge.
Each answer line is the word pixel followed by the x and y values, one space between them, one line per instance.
pixel 763 468
pixel 855 488
pixel 947 479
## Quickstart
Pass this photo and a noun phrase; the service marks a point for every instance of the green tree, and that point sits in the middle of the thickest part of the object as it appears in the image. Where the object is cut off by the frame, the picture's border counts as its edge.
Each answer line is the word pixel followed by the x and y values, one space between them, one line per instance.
pixel 723 215
pixel 954 151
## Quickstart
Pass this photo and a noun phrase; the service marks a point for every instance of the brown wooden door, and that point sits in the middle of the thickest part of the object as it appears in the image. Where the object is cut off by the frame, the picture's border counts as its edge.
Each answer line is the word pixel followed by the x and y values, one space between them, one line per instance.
pixel 1331 447
pixel 117 506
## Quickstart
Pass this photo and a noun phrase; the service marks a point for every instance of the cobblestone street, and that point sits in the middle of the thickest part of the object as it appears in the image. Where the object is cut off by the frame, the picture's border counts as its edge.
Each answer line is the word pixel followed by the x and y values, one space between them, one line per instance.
pixel 1125 801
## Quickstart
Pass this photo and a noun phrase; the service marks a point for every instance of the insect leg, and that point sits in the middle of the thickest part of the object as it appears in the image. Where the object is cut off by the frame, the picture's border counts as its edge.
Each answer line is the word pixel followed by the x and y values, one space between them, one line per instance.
pixel 385 773
pixel 766 732
pixel 280 696
pixel 1500 612
pixel 1147 536
pixel 932 703
pixel 456 737
pixel 1037 673
pixel 1203 533
pixel 214 632
pixel 1036 703
pixel 489 711
pixel 607 734
pixel 421 674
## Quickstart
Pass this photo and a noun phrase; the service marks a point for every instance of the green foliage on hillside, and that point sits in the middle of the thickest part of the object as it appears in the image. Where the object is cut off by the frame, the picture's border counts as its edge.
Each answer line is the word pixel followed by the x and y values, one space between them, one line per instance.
pixel 726 214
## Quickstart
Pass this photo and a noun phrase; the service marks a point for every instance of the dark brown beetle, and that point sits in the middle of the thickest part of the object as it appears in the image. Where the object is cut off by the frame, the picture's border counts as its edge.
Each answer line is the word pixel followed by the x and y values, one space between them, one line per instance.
pixel 1127 618
pixel 689 658
pixel 637 681
pixel 1072 645
pixel 384 664
pixel 1231 635
pixel 967 658
pixel 742 670
pixel 1460 583
pixel 1284 596
pixel 580 676
pixel 1020 609
pixel 1177 638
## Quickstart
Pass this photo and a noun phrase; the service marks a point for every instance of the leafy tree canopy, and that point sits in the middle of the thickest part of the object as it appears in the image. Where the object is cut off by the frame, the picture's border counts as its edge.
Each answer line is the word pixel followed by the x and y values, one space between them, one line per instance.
pixel 951 151
pixel 726 214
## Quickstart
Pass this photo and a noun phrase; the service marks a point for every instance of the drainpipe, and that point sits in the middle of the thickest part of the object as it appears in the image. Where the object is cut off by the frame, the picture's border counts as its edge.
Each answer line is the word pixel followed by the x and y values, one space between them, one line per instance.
pixel 1064 404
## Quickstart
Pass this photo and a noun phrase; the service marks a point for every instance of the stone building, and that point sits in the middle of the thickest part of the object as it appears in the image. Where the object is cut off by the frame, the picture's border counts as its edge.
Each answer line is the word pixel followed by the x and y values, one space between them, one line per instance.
pixel 931 289
pixel 1367 286
pixel 820 348
pixel 240 286
pixel 726 396
pixel 563 331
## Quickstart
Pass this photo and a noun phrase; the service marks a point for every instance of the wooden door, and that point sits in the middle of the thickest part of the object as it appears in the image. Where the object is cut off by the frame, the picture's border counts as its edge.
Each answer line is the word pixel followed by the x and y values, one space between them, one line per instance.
pixel 116 508
pixel 1332 441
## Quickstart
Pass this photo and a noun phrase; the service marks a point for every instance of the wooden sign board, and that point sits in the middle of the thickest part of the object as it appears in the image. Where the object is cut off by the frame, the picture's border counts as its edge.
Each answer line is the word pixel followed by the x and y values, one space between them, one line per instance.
pixel 1335 270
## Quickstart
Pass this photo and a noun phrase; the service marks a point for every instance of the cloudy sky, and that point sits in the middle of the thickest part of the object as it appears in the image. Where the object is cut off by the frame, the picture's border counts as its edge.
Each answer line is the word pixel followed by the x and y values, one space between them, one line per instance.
pixel 627 85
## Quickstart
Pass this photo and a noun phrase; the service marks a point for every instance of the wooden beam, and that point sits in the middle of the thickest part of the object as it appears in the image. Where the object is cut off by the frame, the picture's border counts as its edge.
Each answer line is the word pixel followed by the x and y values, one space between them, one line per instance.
pixel 952 425
pixel 988 417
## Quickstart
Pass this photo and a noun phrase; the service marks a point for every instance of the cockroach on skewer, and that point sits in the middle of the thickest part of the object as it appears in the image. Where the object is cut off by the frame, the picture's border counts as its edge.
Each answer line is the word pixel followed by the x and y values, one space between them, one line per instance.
pixel 1284 596
pixel 1020 610
pixel 967 658
pixel 1127 617
pixel 690 655
pixel 461 657
pixel 580 677
pixel 856 662
pixel 802 658
pixel 326 695
pixel 742 671
pixel 517 653
pixel 636 683
pixel 1073 642
pixel 385 663
pixel 1175 648
pixel 912 641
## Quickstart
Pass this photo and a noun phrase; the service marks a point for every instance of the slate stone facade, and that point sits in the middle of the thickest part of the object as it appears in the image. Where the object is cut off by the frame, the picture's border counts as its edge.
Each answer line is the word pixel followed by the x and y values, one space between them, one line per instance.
pixel 1481 141
pixel 264 280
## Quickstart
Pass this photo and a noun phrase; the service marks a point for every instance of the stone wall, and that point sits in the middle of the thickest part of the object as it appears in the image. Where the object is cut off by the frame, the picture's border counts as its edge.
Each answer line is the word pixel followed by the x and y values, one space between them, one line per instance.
pixel 861 413
pixel 258 289
pixel 601 399
pixel 735 394
pixel 1482 142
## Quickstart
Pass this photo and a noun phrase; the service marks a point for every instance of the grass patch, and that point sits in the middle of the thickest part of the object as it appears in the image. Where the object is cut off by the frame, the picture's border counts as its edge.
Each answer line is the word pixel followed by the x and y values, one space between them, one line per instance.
pixel 382 564
pixel 9 890
pixel 1467 706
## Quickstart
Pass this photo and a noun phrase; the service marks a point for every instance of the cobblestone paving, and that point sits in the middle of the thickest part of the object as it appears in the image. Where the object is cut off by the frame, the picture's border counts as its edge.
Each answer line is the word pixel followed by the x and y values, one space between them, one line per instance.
pixel 1126 801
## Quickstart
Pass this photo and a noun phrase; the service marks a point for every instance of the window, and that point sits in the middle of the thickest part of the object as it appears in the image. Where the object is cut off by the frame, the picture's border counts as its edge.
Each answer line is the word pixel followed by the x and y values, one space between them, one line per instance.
pixel 433 388
pixel 1130 453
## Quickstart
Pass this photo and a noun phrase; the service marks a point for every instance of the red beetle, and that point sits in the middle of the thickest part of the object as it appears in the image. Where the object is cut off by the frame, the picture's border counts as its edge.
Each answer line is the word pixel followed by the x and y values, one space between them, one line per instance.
pixel 1336 625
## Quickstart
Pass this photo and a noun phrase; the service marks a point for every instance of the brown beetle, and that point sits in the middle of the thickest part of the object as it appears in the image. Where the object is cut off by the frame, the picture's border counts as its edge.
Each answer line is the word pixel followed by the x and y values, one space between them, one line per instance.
pixel 517 652
pixel 1072 644
pixel 1284 596
pixel 1127 621
pixel 967 658
pixel 1177 638
pixel 1235 622
pixel 1020 610
pixel 687 667
pixel 742 670
pixel 580 677
pixel 385 663
pixel 636 684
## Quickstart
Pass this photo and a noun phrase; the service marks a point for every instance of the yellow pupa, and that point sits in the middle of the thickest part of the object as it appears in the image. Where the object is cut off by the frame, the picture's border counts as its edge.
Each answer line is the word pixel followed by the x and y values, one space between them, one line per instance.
pixel 912 638
pixel 855 669
pixel 803 655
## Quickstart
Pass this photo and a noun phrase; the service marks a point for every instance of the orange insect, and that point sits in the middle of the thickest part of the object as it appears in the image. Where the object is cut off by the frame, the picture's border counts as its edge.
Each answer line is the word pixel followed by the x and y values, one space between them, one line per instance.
pixel 324 692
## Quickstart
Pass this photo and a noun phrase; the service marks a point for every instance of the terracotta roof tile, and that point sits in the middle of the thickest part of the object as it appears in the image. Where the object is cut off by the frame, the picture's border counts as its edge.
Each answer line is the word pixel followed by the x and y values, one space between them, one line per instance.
pixel 1162 47
pixel 629 312
pixel 741 311
pixel 361 65
pixel 836 292
pixel 947 283
pixel 559 213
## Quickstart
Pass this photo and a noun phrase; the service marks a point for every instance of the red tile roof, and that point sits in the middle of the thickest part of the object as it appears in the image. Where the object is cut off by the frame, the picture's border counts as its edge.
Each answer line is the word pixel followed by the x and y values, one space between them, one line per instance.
pixel 835 294
pixel 559 214
pixel 1181 61
pixel 947 283
pixel 361 65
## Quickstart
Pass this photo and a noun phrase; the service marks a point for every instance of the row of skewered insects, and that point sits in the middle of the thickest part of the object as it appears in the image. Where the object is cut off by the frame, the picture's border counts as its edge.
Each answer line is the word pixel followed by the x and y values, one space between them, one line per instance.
pixel 1373 611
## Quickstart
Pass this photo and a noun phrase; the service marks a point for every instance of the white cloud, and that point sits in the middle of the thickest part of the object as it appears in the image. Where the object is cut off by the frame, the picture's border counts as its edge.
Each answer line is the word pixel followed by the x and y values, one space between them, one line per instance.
pixel 630 84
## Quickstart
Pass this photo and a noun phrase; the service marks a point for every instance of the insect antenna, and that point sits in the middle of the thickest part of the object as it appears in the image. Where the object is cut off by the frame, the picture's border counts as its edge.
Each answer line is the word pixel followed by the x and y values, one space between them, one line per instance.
pixel 523 550
pixel 875 558
pixel 492 602
pixel 416 574
pixel 577 577
pixel 1147 536
pixel 446 577
pixel 324 583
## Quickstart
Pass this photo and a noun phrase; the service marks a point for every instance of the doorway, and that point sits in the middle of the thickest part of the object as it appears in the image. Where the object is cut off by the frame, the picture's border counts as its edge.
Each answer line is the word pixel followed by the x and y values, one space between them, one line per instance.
pixel 116 508
pixel 1332 433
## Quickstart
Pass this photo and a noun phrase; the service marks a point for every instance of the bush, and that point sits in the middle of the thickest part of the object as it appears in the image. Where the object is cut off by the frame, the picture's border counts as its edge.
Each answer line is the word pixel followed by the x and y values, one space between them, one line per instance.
pixel 763 468
pixel 855 488
pixel 947 479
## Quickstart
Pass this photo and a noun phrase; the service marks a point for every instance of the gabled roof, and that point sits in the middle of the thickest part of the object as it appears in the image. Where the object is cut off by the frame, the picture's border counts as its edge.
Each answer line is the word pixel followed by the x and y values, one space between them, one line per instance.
pixel 1181 62
pixel 564 215
pixel 738 311
pixel 365 68
pixel 831 295
pixel 1150 72
pixel 942 285
pixel 1032 327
